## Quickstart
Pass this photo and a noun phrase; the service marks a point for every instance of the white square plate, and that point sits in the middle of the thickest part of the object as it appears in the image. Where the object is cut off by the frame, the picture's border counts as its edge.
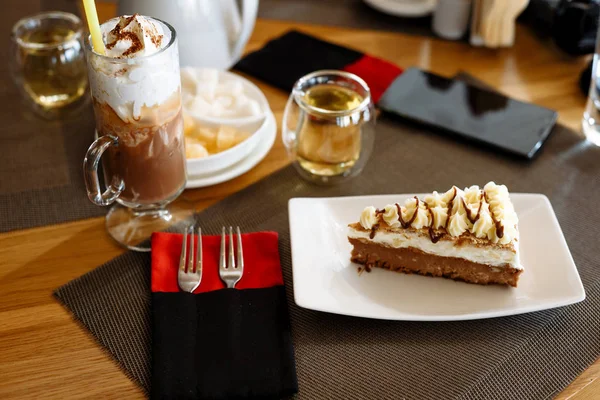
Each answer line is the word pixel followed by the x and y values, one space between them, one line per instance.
pixel 326 280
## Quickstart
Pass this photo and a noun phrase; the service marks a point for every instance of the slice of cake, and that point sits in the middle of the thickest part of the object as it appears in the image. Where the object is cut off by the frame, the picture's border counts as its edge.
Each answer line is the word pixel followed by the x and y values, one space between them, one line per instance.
pixel 468 235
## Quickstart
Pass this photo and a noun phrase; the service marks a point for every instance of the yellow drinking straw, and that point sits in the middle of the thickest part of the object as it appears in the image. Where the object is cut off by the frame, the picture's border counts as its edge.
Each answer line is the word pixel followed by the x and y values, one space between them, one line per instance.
pixel 94 26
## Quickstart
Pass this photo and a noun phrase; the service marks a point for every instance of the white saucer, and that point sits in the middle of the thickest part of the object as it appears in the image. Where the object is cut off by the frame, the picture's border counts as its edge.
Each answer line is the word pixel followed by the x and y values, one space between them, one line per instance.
pixel 404 8
pixel 243 166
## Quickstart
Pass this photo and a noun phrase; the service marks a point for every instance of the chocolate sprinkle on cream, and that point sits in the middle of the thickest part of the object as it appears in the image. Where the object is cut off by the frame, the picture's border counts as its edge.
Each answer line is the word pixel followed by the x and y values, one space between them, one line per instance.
pixel 136 44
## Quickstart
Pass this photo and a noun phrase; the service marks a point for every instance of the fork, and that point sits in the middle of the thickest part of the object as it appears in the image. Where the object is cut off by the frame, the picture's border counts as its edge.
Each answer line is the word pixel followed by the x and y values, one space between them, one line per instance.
pixel 190 273
pixel 230 271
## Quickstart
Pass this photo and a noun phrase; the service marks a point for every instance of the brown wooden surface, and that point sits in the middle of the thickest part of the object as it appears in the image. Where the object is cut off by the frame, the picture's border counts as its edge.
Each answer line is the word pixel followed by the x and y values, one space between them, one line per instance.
pixel 44 354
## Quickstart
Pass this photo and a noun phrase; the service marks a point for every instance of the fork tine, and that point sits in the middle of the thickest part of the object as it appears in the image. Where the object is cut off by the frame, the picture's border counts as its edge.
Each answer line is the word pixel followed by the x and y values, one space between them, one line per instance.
pixel 222 264
pixel 240 252
pixel 190 261
pixel 231 263
pixel 182 258
pixel 199 253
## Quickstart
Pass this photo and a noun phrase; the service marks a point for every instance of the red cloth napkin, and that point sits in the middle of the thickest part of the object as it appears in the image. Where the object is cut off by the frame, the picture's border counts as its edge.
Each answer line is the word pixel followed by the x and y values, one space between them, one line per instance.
pixel 261 262
pixel 379 74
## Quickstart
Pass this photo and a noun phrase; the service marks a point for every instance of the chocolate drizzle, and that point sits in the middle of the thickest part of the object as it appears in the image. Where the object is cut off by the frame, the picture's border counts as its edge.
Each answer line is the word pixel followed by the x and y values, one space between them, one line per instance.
pixel 498 224
pixel 468 211
pixel 449 208
pixel 373 231
pixel 374 228
pixel 499 229
pixel 434 236
pixel 412 218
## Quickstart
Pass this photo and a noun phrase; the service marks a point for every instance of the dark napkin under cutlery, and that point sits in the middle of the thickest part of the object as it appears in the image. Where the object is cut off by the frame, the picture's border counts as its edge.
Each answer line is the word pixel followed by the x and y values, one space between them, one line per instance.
pixel 219 343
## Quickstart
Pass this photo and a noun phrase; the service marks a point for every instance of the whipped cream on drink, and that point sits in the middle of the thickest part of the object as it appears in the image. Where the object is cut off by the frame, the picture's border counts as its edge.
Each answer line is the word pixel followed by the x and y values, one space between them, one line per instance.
pixel 137 81
pixel 136 95
pixel 131 37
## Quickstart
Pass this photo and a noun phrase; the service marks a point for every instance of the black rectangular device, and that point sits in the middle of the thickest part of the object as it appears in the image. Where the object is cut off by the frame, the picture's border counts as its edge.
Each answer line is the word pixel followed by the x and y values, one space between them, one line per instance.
pixel 477 114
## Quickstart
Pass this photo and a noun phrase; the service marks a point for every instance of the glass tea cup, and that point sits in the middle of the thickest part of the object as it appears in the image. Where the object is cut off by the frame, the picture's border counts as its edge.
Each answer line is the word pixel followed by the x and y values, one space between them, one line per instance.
pixel 329 126
pixel 48 62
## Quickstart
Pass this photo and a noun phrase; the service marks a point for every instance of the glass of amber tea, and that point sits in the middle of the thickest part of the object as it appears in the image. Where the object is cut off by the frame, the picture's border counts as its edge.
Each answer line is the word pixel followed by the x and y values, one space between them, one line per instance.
pixel 329 126
pixel 48 61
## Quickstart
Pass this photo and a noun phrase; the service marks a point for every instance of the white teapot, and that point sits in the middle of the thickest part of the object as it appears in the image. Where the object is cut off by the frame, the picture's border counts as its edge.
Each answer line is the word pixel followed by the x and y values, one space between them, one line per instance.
pixel 211 33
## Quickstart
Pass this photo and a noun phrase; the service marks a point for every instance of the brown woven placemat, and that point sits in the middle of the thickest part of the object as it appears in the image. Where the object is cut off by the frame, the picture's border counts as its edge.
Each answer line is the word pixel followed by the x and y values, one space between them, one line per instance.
pixel 531 356
pixel 41 172
pixel 41 161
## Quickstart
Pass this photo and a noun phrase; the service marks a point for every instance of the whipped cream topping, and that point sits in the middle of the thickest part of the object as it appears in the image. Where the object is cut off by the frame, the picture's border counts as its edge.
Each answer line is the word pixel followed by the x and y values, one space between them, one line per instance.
pixel 458 225
pixel 127 79
pixel 414 210
pixel 390 215
pixel 368 218
pixel 485 224
pixel 485 213
pixel 502 211
pixel 132 36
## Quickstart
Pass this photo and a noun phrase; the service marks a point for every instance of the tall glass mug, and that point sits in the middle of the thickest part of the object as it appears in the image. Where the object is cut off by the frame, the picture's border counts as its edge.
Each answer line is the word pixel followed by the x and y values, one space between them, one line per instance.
pixel 137 104
pixel 329 126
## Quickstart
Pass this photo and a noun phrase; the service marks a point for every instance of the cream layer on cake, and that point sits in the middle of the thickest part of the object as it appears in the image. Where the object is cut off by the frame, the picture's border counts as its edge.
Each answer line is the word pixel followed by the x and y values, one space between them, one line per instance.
pixel 420 240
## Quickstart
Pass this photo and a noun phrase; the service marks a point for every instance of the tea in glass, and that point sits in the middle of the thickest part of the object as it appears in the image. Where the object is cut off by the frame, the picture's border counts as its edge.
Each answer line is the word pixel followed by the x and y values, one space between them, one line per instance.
pixel 328 126
pixel 48 60
pixel 324 148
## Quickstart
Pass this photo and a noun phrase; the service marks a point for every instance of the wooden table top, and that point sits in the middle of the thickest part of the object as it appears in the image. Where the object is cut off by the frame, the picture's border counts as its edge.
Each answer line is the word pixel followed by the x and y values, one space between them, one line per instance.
pixel 45 354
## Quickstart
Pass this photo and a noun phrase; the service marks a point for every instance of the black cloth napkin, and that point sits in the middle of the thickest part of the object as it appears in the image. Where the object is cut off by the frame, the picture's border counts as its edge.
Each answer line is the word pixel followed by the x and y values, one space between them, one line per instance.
pixel 225 344
pixel 284 60
pixel 221 343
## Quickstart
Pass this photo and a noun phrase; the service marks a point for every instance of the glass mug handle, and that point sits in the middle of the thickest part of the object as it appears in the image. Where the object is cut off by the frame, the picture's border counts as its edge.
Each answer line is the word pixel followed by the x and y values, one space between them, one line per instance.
pixel 90 173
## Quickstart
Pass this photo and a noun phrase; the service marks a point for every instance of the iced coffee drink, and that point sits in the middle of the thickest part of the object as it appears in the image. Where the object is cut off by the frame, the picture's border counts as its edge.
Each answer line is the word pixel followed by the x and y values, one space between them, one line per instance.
pixel 136 95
